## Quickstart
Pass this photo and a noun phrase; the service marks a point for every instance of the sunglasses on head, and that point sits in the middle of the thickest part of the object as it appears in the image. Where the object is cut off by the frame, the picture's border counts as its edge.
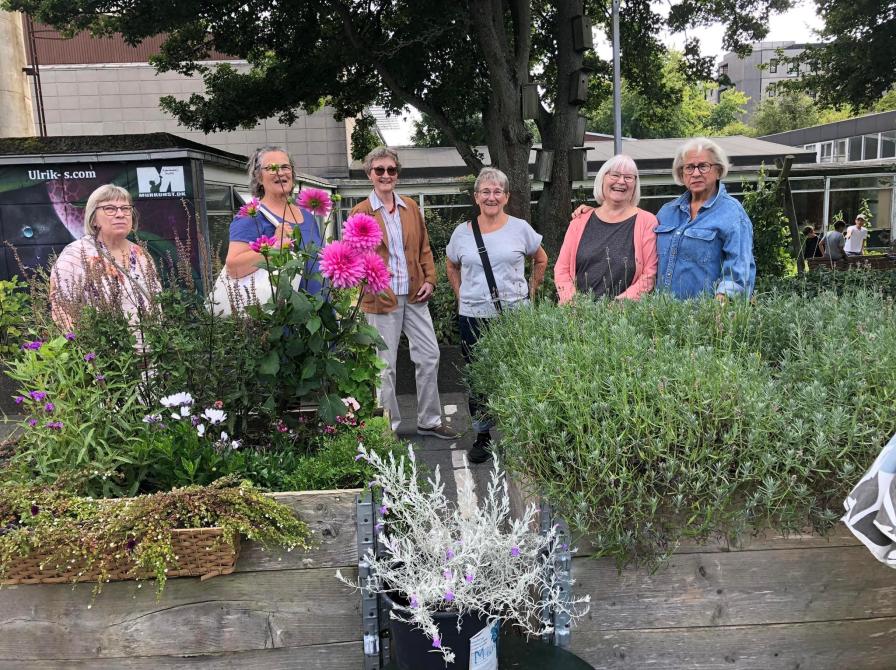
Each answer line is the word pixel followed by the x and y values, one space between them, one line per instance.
pixel 379 170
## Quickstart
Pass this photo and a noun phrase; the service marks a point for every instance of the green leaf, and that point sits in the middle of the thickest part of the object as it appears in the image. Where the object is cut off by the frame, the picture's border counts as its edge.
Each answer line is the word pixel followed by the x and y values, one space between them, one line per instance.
pixel 313 324
pixel 331 406
pixel 270 364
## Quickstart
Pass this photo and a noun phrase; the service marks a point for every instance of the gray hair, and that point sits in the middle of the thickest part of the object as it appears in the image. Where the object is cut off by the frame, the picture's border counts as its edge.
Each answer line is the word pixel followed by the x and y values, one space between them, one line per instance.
pixel 376 154
pixel 253 168
pixel 492 174
pixel 617 162
pixel 105 193
pixel 699 144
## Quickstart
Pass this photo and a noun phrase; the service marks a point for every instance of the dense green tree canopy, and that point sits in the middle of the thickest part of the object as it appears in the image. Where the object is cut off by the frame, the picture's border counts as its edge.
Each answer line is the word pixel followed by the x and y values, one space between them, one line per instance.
pixel 450 60
pixel 856 62
pixel 790 110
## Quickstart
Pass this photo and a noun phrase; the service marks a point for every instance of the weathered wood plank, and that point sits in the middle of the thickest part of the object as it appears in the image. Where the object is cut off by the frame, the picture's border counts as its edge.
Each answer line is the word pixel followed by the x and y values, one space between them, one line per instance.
pixel 831 645
pixel 331 515
pixel 340 656
pixel 737 588
pixel 238 612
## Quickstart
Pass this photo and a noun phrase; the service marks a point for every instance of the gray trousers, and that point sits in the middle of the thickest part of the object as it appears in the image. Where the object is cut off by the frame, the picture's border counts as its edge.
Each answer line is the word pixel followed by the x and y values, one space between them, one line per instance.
pixel 414 320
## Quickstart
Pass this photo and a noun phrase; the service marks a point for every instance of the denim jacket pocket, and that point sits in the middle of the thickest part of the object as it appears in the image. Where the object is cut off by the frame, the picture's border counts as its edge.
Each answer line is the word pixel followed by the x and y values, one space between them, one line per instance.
pixel 699 244
pixel 665 228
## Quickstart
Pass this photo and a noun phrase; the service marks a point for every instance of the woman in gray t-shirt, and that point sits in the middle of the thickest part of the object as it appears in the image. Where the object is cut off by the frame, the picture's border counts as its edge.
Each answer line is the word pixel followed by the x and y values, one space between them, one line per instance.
pixel 508 242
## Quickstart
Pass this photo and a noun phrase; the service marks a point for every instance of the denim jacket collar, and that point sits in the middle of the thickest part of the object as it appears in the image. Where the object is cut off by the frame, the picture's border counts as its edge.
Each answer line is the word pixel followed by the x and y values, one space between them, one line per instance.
pixel 684 201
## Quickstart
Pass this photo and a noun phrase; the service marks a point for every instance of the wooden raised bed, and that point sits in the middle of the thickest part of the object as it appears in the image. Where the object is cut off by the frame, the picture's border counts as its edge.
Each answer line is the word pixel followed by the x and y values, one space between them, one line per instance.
pixel 277 610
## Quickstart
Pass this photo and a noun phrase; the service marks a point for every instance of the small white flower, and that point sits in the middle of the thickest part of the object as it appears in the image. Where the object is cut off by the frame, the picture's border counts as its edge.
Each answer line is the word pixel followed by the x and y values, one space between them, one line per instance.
pixel 185 411
pixel 200 429
pixel 177 400
pixel 235 444
pixel 224 436
pixel 352 404
pixel 214 416
pixel 152 418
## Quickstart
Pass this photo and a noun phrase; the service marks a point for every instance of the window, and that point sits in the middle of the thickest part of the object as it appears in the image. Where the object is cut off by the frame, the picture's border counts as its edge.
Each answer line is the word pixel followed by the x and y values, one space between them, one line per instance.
pixel 888 144
pixel 870 147
pixel 770 90
pixel 855 148
pixel 793 69
pixel 723 69
pixel 840 150
pixel 826 154
pixel 773 66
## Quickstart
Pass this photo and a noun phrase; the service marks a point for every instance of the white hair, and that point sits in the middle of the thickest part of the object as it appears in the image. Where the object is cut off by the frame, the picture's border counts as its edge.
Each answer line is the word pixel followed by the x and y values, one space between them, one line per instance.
pixel 697 144
pixel 619 162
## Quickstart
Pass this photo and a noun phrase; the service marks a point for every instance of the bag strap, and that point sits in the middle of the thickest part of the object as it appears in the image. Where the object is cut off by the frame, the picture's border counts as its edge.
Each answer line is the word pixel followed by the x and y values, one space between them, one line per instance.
pixel 486 264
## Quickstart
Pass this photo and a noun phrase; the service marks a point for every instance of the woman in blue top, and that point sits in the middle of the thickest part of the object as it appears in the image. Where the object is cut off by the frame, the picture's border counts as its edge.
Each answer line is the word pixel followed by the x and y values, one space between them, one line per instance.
pixel 271 181
pixel 704 239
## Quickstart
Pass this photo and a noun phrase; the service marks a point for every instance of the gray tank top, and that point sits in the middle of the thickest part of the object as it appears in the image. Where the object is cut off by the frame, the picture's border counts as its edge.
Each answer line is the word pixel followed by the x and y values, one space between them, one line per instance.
pixel 605 260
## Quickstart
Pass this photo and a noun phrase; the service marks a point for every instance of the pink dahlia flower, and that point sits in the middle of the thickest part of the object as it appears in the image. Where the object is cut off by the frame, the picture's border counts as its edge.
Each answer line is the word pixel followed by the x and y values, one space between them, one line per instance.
pixel 341 265
pixel 316 201
pixel 250 208
pixel 362 232
pixel 376 274
pixel 262 243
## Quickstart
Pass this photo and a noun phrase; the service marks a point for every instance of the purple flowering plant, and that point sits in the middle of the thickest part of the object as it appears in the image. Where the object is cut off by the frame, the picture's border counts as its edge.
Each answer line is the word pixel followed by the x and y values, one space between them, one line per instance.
pixel 471 557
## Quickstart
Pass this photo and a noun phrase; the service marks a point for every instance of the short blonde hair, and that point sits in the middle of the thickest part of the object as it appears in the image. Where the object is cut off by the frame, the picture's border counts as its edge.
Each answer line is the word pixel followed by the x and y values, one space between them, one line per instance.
pixel 105 193
pixel 699 144
pixel 617 162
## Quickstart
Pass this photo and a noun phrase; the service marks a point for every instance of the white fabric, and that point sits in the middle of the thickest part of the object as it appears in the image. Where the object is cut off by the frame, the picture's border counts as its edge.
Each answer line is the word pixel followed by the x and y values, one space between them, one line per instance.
pixel 855 236
pixel 414 320
pixel 870 513
pixel 508 247
pixel 400 280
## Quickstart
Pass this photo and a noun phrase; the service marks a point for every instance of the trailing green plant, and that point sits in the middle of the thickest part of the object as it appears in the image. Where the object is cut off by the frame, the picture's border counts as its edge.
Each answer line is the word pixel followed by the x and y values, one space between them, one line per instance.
pixel 96 533
pixel 13 316
pixel 651 422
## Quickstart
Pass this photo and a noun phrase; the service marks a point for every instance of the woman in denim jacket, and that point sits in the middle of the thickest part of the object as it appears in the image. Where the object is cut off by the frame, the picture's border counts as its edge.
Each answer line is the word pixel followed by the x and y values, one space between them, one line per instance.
pixel 704 238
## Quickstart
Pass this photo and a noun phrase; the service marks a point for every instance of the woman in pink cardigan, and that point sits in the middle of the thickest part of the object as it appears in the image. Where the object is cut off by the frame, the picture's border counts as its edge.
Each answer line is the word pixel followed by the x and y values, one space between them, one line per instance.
pixel 610 250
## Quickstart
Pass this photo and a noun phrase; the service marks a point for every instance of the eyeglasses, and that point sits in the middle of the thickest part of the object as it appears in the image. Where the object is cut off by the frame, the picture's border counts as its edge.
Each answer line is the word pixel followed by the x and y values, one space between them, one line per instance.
pixel 486 193
pixel 702 168
pixel 274 168
pixel 379 170
pixel 110 210
pixel 627 178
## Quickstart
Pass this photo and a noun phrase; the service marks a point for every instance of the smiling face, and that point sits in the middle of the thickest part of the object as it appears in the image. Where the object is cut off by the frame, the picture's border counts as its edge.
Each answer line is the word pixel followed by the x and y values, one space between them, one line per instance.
pixel 698 183
pixel 491 198
pixel 276 172
pixel 619 186
pixel 383 183
pixel 113 220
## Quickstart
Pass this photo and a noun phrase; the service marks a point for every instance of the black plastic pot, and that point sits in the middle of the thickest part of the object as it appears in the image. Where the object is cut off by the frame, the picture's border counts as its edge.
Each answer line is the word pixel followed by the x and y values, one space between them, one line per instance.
pixel 412 650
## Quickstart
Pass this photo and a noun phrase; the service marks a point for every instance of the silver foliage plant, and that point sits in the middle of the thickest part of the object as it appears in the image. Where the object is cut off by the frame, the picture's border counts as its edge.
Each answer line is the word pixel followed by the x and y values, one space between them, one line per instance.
pixel 466 558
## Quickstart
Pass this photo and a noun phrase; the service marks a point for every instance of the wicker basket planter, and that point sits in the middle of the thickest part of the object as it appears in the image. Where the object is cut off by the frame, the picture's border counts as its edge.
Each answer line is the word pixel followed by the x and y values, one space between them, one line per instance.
pixel 201 552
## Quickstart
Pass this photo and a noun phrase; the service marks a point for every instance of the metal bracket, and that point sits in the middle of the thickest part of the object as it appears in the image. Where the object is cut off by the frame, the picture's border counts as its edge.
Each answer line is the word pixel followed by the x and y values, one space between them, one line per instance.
pixel 370 610
pixel 559 621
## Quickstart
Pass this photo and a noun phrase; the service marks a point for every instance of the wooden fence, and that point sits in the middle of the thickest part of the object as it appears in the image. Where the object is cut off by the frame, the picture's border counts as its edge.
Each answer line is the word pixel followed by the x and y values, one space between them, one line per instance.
pixel 798 603
pixel 278 610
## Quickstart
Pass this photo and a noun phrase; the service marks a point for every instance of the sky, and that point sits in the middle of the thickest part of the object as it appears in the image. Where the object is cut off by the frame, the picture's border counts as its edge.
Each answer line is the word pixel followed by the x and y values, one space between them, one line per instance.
pixel 796 25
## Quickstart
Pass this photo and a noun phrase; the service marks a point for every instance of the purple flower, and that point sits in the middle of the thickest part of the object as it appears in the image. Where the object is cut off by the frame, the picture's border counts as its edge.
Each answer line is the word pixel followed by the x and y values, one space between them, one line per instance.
pixel 19 399
pixel 49 407
pixel 449 596
pixel 468 578
pixel 448 574
pixel 89 356
pixel 414 602
pixel 55 425
pixel 515 552
pixel 100 379
pixel 33 346
pixel 449 555
pixel 70 337
pixel 35 510
pixel 37 395
pixel 564 546
pixel 32 422
pixel 384 510
pixel 437 642
pixel 378 527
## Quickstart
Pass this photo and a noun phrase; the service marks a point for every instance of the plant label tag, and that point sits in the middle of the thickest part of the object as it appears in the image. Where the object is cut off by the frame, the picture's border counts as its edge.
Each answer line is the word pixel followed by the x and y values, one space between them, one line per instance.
pixel 484 649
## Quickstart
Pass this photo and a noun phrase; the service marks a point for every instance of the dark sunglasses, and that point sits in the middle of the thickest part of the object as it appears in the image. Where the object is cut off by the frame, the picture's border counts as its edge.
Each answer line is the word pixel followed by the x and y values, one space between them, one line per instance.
pixel 379 170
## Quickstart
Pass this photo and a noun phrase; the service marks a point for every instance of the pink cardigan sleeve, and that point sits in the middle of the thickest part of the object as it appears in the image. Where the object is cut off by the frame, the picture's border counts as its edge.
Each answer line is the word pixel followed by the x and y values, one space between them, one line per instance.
pixel 565 267
pixel 645 257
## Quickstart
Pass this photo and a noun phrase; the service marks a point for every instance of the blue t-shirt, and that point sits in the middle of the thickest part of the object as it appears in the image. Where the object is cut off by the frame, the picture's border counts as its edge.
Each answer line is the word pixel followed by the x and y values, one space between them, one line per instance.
pixel 250 228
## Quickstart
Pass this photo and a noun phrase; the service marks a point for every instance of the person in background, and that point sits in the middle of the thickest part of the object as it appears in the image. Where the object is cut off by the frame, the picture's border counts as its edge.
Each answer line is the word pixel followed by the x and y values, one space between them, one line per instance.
pixel 403 308
pixel 813 245
pixel 611 250
pixel 704 239
pixel 271 180
pixel 834 242
pixel 855 237
pixel 104 269
pixel 508 242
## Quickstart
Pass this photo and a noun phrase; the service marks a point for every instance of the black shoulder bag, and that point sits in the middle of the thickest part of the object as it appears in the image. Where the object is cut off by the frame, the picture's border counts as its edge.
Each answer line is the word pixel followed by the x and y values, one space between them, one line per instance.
pixel 486 264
